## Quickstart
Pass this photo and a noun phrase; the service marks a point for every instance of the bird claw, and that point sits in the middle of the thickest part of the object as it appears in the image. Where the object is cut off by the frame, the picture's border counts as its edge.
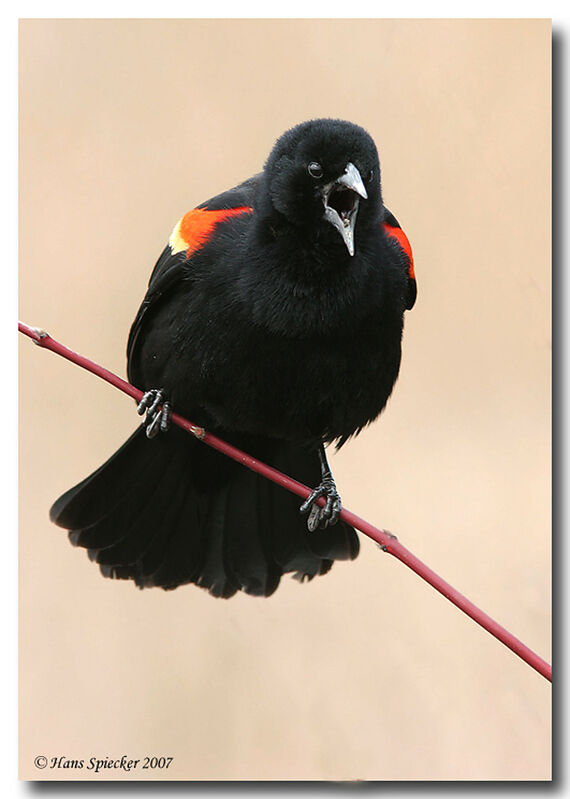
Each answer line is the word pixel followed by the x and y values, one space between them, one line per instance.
pixel 329 513
pixel 157 412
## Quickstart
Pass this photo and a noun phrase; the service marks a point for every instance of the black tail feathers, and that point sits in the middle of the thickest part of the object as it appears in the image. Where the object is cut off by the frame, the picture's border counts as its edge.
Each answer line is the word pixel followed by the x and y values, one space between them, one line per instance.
pixel 170 510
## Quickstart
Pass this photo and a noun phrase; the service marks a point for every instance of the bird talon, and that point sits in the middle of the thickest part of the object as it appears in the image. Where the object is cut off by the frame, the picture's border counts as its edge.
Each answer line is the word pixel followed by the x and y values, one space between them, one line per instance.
pixel 165 417
pixel 327 515
pixel 308 503
pixel 328 509
pixel 145 402
pixel 314 518
pixel 158 412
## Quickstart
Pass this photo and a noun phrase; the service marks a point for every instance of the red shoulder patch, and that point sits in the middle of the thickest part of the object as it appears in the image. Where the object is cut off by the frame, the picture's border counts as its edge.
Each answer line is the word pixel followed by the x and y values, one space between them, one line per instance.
pixel 197 227
pixel 398 234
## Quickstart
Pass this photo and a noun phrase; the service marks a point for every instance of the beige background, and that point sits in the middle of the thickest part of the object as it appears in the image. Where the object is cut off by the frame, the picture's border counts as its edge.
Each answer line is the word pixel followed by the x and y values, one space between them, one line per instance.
pixel 366 673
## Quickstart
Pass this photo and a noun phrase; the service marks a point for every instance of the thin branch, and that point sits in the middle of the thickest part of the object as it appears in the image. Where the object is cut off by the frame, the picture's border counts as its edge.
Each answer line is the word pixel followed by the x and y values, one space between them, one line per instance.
pixel 386 540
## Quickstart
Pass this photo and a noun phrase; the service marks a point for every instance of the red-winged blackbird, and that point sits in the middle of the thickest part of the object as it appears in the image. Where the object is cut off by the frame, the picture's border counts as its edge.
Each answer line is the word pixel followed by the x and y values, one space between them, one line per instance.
pixel 273 318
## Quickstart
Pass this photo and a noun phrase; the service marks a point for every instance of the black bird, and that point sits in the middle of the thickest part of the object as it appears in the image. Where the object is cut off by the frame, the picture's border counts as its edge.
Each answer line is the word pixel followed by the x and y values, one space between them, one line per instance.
pixel 273 318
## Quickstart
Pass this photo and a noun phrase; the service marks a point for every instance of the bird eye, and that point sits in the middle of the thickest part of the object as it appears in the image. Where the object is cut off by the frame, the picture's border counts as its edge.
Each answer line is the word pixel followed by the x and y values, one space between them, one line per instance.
pixel 369 176
pixel 315 170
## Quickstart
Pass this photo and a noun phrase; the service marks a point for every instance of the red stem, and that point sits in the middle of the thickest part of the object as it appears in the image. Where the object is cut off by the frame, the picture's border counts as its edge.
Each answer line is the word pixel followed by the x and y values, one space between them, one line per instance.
pixel 388 542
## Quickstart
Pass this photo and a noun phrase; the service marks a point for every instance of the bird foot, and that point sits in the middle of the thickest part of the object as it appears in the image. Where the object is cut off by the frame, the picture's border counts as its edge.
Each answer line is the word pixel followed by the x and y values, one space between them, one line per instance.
pixel 158 412
pixel 329 513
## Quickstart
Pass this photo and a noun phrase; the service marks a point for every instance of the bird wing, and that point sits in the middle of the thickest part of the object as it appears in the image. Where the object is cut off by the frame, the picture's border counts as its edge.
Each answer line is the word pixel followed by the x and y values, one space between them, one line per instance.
pixel 393 229
pixel 189 235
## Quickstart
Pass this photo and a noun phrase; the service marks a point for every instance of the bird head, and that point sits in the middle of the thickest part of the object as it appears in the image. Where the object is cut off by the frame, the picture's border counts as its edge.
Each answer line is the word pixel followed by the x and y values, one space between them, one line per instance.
pixel 323 176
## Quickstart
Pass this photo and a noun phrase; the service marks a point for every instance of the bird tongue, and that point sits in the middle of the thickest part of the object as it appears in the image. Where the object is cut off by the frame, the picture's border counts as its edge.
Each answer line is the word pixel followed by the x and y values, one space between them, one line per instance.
pixel 343 201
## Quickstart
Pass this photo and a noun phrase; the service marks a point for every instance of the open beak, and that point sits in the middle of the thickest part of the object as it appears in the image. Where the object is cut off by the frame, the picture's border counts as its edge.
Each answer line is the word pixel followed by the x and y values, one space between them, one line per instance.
pixel 341 199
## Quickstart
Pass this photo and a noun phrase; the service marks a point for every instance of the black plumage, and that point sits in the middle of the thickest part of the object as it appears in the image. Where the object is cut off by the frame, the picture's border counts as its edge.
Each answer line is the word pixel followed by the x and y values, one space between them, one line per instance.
pixel 274 319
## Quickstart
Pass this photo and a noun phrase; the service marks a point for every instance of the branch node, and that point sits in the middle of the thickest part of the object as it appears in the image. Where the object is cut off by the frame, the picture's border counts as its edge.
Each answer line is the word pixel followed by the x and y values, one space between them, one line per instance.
pixel 41 334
